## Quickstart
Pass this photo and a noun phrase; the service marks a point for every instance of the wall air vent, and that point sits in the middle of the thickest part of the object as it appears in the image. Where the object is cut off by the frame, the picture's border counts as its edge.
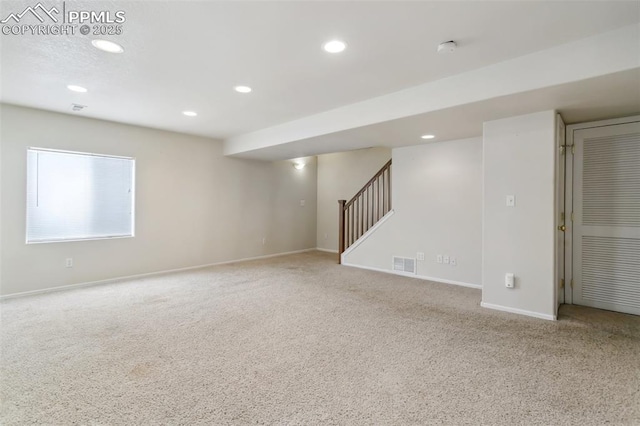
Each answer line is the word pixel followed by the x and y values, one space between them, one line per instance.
pixel 77 107
pixel 404 264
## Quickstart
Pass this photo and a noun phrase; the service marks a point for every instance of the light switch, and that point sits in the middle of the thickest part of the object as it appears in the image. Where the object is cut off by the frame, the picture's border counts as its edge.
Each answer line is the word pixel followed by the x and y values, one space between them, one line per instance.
pixel 302 203
pixel 511 200
pixel 445 259
pixel 439 258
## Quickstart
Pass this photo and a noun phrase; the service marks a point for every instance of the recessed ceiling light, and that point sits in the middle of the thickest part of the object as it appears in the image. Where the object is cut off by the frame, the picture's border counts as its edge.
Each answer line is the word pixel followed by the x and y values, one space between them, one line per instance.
pixel 242 89
pixel 190 113
pixel 334 46
pixel 427 136
pixel 107 46
pixel 75 88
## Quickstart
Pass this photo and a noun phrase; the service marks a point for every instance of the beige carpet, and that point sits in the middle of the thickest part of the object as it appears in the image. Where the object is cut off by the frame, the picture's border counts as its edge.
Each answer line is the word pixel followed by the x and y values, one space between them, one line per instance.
pixel 301 340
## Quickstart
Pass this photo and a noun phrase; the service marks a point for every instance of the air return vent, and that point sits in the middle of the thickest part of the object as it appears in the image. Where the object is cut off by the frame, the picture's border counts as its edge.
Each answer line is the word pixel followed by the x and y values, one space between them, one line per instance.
pixel 404 264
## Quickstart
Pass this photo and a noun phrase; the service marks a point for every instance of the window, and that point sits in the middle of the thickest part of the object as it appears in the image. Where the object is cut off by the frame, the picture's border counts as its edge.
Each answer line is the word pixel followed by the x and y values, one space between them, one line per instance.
pixel 78 196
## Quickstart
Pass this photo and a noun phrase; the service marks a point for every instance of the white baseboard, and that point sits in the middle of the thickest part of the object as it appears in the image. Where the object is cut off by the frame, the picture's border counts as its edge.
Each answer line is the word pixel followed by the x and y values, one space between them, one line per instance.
pixel 148 274
pixel 327 250
pixel 452 282
pixel 421 277
pixel 518 311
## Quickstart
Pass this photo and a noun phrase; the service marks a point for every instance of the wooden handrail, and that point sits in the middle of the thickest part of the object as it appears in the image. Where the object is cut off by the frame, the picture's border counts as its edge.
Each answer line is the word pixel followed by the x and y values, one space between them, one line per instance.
pixel 365 209
pixel 366 185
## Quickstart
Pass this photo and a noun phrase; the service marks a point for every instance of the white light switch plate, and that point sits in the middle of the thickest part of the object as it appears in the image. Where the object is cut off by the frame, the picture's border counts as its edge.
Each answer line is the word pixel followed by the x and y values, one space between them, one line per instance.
pixel 453 261
pixel 445 259
pixel 439 258
pixel 511 200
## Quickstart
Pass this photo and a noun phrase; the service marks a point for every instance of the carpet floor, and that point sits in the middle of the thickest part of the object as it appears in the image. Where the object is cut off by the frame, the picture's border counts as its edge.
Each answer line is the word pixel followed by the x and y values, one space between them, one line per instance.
pixel 300 340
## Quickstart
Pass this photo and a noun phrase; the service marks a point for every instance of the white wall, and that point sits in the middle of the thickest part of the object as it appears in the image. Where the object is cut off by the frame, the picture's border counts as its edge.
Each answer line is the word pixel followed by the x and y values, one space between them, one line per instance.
pixel 437 203
pixel 193 205
pixel 519 159
pixel 340 176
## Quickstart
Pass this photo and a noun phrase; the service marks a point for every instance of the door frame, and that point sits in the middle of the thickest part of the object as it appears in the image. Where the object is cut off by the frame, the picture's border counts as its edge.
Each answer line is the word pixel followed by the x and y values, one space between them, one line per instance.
pixel 568 235
pixel 560 210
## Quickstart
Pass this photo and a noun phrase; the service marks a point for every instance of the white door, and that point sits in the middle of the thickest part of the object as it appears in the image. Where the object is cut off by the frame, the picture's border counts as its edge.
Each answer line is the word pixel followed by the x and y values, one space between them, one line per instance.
pixel 606 227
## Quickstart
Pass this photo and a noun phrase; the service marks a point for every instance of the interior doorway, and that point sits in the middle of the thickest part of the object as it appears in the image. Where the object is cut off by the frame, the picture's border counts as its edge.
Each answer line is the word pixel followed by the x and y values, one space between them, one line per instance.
pixel 602 234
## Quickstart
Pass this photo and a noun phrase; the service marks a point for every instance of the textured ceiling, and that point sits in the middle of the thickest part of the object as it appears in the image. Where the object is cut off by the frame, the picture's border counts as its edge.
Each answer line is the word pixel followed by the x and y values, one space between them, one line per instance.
pixel 189 55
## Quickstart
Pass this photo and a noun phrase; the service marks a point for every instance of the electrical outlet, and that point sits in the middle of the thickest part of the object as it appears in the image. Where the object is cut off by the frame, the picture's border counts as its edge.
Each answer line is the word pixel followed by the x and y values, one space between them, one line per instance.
pixel 69 263
pixel 453 261
pixel 439 258
pixel 420 256
pixel 509 280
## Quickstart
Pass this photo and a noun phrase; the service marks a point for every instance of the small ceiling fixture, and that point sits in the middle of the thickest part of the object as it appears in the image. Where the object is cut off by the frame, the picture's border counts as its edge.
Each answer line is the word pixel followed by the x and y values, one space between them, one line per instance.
pixel 298 165
pixel 75 88
pixel 190 113
pixel 107 46
pixel 334 46
pixel 447 47
pixel 428 136
pixel 242 89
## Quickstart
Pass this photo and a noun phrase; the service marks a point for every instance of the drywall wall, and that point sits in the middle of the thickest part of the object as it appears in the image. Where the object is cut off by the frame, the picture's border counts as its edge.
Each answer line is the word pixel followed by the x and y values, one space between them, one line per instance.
pixel 437 203
pixel 193 205
pixel 340 176
pixel 520 160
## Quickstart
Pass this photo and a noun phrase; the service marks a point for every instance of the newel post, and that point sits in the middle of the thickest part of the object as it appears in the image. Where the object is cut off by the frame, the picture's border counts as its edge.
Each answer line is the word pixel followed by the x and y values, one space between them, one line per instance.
pixel 341 204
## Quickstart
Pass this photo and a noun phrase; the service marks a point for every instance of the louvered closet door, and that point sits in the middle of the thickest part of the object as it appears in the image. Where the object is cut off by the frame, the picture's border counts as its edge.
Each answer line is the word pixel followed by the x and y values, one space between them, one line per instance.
pixel 606 238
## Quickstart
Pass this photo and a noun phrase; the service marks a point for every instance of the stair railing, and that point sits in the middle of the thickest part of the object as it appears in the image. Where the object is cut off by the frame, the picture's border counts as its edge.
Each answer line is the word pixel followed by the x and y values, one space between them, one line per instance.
pixel 365 209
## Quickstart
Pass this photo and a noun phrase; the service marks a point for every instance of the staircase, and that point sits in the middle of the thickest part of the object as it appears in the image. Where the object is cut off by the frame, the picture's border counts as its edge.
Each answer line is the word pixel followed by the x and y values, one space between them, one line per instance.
pixel 365 209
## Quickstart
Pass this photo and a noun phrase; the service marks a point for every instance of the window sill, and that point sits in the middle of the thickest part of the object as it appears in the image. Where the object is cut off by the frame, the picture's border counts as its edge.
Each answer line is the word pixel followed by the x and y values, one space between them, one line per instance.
pixel 118 237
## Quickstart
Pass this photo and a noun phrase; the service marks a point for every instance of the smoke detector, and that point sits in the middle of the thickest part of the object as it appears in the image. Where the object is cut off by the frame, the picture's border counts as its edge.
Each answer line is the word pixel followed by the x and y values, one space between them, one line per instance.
pixel 447 47
pixel 77 107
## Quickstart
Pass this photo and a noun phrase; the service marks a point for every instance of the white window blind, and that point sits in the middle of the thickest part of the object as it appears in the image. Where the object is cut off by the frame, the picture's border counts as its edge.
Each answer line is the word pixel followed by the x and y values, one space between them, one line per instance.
pixel 76 196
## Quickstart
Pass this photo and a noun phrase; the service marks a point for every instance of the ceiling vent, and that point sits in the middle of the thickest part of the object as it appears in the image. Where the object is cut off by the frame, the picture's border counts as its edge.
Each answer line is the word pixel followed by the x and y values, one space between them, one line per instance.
pixel 77 107
pixel 404 264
